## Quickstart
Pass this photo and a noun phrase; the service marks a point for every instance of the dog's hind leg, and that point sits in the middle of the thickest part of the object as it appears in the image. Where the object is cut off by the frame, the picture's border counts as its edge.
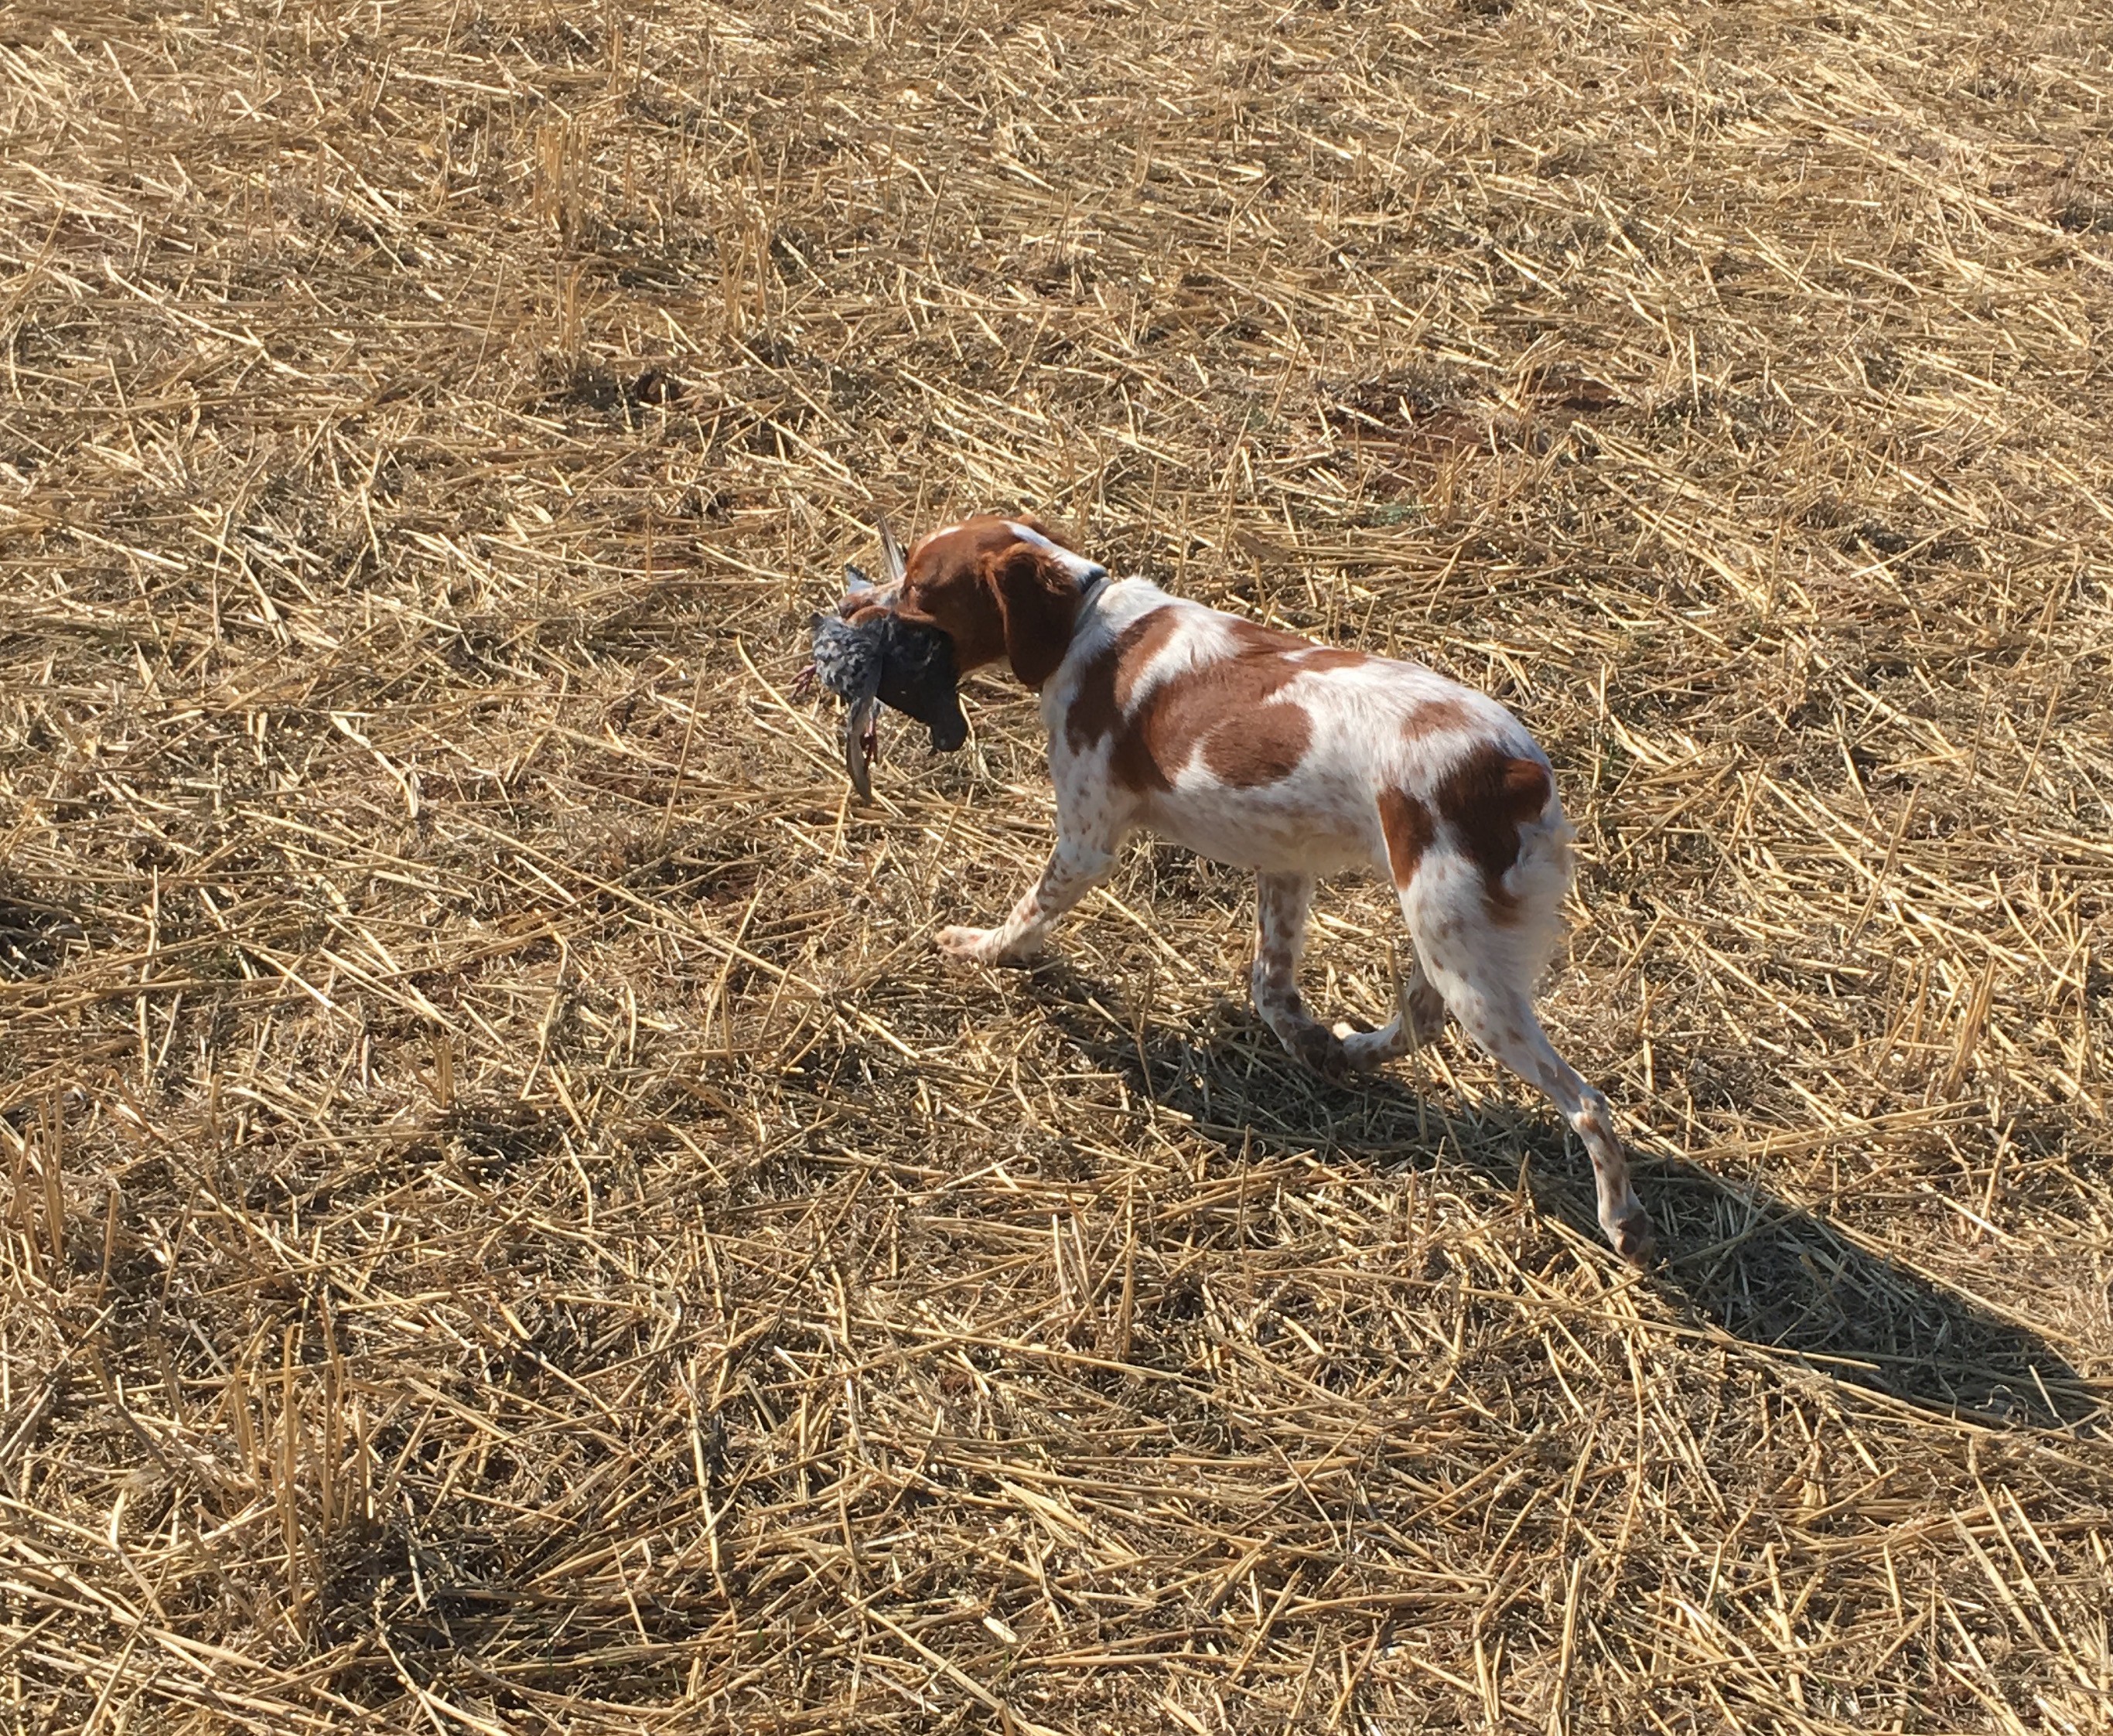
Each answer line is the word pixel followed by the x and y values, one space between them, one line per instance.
pixel 1484 948
pixel 1500 1017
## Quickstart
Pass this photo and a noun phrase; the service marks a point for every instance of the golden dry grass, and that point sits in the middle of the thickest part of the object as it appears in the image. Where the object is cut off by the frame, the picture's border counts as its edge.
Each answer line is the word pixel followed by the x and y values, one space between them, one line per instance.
pixel 511 1227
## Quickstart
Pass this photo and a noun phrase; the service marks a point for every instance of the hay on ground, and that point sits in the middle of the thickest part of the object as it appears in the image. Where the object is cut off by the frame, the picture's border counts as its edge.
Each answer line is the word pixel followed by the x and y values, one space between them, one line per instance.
pixel 510 1226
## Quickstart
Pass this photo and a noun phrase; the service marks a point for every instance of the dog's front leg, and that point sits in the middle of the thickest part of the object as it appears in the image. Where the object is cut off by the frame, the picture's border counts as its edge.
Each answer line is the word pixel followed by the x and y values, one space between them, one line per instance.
pixel 1075 866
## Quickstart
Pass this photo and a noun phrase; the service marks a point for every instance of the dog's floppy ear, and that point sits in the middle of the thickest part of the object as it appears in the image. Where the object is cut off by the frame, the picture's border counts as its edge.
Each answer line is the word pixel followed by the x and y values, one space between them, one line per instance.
pixel 1038 602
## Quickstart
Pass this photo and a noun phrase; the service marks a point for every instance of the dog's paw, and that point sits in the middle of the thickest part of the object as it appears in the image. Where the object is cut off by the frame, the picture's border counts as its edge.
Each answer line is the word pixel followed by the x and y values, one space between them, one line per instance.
pixel 1630 1231
pixel 1321 1051
pixel 1362 1051
pixel 972 944
pixel 981 946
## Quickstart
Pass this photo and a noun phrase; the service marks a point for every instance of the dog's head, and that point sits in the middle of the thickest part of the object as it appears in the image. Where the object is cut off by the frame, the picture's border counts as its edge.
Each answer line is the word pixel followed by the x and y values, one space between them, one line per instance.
pixel 996 587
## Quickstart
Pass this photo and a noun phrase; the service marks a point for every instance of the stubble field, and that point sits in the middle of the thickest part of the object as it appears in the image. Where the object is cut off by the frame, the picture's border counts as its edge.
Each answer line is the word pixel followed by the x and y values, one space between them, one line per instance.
pixel 511 1227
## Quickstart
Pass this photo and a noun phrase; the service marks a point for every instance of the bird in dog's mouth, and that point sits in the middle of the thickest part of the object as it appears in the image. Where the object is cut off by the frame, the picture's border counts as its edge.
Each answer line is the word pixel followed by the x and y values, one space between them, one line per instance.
pixel 884 660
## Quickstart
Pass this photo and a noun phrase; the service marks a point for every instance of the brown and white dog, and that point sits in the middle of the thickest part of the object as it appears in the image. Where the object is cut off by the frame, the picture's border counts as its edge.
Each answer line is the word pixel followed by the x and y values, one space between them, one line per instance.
pixel 1265 751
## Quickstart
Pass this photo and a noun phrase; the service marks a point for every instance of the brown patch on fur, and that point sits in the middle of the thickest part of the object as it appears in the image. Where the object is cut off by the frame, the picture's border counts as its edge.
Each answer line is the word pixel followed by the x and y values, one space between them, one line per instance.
pixel 1486 798
pixel 1410 831
pixel 1434 715
pixel 1263 747
pixel 1227 710
pixel 1324 657
pixel 1152 632
pixel 1252 639
pixel 1253 636
pixel 1108 681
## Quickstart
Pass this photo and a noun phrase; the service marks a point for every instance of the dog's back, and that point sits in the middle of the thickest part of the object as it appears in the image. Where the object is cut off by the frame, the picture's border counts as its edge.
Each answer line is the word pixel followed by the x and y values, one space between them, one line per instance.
pixel 1266 751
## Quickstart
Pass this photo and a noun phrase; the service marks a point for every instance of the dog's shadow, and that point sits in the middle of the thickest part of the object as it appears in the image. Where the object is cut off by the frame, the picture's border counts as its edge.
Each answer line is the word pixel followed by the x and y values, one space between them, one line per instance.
pixel 1768 1272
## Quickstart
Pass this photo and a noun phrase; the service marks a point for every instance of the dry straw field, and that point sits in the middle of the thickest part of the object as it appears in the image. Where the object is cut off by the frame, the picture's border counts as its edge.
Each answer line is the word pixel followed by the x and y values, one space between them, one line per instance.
pixel 509 1226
